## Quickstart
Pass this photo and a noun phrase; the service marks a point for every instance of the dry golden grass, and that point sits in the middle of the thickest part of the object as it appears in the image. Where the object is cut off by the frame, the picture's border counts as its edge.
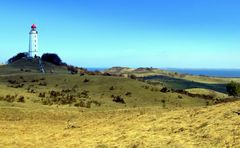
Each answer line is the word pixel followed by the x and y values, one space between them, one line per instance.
pixel 207 92
pixel 214 126
pixel 31 124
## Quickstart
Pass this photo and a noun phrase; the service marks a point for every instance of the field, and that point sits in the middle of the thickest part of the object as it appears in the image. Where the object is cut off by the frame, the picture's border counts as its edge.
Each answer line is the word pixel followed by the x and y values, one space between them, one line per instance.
pixel 215 126
pixel 58 109
pixel 177 83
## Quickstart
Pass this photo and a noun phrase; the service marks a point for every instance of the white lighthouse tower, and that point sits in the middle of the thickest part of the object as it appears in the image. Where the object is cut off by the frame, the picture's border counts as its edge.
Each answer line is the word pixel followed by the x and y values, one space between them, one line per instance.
pixel 33 42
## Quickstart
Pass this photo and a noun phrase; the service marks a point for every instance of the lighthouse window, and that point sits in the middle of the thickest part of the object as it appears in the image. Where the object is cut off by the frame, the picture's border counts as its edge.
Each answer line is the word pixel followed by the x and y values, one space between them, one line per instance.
pixel 35 46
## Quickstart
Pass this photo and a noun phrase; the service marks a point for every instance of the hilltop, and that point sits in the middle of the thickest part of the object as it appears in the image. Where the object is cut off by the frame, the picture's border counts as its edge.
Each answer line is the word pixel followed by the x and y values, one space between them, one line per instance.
pixel 24 66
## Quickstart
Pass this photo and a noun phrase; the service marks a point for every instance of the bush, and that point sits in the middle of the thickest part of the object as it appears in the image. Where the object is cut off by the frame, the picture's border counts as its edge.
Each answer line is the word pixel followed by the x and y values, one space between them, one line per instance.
pixel 42 84
pixel 84 94
pixel 111 88
pixel 72 69
pixel 233 89
pixel 86 80
pixel 128 94
pixel 87 104
pixel 17 57
pixel 118 99
pixel 52 58
pixel 8 98
pixel 133 77
pixel 42 95
pixel 165 90
pixel 163 103
pixel 21 99
pixel 106 74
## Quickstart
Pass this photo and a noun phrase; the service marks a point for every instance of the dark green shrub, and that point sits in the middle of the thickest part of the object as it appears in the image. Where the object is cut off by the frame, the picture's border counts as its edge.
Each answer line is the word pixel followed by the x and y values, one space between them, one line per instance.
pixel 133 77
pixel 118 99
pixel 42 95
pixel 145 87
pixel 233 89
pixel 52 58
pixel 72 69
pixel 128 94
pixel 42 84
pixel 10 98
pixel 17 57
pixel 111 88
pixel 81 103
pixel 163 103
pixel 84 94
pixel 86 80
pixel 21 99
pixel 165 90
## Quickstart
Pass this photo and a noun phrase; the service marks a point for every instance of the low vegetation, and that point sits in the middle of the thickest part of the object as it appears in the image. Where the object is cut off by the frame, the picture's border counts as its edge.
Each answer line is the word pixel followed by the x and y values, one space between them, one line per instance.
pixel 17 57
pixel 52 58
pixel 233 89
pixel 12 98
pixel 94 109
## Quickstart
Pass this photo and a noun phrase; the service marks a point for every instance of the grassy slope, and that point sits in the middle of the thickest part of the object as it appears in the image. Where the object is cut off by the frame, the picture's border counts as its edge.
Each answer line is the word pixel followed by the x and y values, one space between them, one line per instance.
pixel 29 64
pixel 215 126
pixel 176 80
pixel 207 92
pixel 141 122
pixel 177 83
pixel 99 90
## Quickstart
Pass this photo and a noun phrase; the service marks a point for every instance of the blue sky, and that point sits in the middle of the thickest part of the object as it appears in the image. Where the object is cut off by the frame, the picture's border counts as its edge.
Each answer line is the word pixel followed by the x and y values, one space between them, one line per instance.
pixel 133 33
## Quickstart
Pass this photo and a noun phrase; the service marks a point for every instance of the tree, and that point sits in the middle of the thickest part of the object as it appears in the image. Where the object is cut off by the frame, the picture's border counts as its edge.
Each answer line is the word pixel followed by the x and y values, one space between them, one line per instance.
pixel 52 58
pixel 233 89
pixel 17 57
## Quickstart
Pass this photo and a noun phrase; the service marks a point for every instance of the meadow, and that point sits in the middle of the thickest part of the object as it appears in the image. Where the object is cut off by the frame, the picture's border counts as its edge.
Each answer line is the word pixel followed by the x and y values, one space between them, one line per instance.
pixel 58 109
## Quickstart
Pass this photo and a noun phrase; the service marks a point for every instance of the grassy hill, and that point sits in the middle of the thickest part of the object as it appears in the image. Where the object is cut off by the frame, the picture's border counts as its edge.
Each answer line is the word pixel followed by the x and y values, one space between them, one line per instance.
pixel 175 80
pixel 177 83
pixel 95 88
pixel 63 110
pixel 25 66
pixel 207 92
pixel 145 72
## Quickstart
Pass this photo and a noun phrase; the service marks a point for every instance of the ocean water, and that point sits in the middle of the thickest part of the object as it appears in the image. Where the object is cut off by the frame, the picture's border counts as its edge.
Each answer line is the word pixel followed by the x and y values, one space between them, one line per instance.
pixel 208 72
pixel 205 72
pixel 96 69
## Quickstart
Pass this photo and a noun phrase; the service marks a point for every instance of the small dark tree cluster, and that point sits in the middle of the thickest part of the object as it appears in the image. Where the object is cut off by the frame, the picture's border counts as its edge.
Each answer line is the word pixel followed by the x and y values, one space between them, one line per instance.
pixel 17 57
pixel 233 89
pixel 52 58
pixel 133 77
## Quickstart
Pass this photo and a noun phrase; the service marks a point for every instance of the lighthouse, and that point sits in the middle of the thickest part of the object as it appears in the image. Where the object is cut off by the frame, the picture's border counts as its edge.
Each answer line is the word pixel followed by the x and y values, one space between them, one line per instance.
pixel 33 42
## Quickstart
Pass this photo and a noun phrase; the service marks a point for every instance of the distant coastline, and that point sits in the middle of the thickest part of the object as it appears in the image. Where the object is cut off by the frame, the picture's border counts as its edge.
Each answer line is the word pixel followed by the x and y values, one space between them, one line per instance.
pixel 204 72
pixel 208 72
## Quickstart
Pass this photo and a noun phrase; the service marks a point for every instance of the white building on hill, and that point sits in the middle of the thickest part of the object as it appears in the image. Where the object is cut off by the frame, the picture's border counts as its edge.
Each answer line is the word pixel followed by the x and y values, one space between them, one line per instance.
pixel 33 42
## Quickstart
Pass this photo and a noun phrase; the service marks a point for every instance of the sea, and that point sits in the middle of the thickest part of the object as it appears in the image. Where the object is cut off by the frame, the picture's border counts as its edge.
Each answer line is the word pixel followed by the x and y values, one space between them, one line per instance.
pixel 228 73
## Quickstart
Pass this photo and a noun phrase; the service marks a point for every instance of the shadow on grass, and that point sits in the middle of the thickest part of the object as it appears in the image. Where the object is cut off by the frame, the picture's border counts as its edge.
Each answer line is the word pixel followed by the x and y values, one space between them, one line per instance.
pixel 177 84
